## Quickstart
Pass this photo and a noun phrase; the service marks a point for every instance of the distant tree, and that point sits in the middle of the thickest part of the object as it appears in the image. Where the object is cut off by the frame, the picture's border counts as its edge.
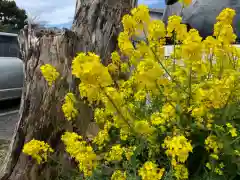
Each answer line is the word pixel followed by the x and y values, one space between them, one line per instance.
pixel 12 18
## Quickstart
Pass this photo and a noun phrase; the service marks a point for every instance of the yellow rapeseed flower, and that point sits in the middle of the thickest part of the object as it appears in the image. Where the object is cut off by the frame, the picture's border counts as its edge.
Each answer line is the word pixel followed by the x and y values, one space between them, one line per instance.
pixel 129 152
pixel 141 15
pixel 69 110
pixel 50 73
pixel 125 44
pixel 116 58
pixel 156 30
pixel 178 148
pixel 115 154
pixel 226 15
pixel 38 150
pixel 129 24
pixel 180 172
pixel 176 28
pixel 150 171
pixel 119 175
pixel 214 145
pixel 103 137
pixel 232 130
pixel 83 153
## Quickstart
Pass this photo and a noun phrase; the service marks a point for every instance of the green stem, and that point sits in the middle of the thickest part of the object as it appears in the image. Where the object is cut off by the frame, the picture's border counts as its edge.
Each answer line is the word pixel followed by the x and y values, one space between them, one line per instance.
pixel 190 88
pixel 174 51
pixel 115 106
pixel 235 140
pixel 158 60
pixel 226 105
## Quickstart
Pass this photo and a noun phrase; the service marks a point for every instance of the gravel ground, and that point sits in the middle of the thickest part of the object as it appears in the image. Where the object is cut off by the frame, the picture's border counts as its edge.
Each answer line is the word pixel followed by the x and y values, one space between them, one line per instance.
pixel 8 120
pixel 3 150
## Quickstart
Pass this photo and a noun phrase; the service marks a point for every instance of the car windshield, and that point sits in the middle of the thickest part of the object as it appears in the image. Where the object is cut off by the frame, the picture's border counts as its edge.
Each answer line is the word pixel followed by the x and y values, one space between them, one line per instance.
pixel 9 46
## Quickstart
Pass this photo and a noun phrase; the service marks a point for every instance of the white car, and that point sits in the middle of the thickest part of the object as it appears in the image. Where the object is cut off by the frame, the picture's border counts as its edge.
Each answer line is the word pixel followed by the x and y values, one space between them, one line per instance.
pixel 11 67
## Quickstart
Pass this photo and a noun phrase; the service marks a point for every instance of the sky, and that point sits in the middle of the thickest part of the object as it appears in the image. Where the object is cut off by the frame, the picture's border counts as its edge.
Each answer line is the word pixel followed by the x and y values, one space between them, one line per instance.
pixel 59 13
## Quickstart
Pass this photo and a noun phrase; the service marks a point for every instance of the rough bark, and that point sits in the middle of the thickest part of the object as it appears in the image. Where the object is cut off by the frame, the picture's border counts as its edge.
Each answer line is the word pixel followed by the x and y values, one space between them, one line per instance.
pixel 95 28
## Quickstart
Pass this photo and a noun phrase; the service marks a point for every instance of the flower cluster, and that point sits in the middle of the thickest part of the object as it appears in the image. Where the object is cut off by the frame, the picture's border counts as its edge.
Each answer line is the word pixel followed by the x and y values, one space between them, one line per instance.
pixel 83 153
pixel 68 108
pixel 165 108
pixel 94 76
pixel 119 175
pixel 38 150
pixel 50 73
pixel 116 153
pixel 178 148
pixel 150 171
pixel 213 145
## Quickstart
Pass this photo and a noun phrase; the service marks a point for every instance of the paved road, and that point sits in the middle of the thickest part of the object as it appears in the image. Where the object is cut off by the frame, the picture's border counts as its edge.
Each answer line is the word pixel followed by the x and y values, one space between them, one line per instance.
pixel 8 118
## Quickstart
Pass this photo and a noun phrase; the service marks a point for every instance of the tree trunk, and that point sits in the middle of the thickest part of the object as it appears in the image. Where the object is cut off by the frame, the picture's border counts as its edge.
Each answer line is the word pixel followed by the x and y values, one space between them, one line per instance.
pixel 95 28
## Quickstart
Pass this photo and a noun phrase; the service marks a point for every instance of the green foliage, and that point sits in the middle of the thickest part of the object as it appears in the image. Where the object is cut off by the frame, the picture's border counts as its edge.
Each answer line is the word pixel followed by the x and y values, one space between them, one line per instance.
pixel 12 18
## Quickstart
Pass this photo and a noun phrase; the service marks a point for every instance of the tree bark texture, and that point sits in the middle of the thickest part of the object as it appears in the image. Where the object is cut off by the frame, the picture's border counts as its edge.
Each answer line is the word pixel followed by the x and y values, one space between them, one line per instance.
pixel 95 28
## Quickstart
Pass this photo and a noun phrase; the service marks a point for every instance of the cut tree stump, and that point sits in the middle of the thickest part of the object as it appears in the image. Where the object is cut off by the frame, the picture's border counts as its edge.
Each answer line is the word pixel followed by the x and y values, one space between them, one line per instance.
pixel 95 28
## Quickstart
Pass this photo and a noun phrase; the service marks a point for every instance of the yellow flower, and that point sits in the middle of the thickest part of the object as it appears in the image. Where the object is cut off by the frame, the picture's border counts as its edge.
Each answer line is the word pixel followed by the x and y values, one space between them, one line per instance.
pixel 50 73
pixel 93 74
pixel 166 117
pixel 223 28
pixel 156 119
pixel 70 112
pixel 213 144
pixel 226 15
pixel 115 153
pixel 150 171
pixel 129 152
pixel 143 127
pixel 90 70
pixel 129 24
pixel 116 58
pixel 141 15
pixel 124 133
pixel 218 171
pixel 103 137
pixel 178 148
pixel 112 68
pixel 140 95
pixel 192 43
pixel 83 153
pixel 156 30
pixel 124 67
pixel 159 99
pixel 214 156
pixel 119 175
pixel 232 130
pixel 208 165
pixel 175 26
pixel 125 44
pixel 180 172
pixel 237 152
pixel 101 115
pixel 148 73
pixel 38 150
